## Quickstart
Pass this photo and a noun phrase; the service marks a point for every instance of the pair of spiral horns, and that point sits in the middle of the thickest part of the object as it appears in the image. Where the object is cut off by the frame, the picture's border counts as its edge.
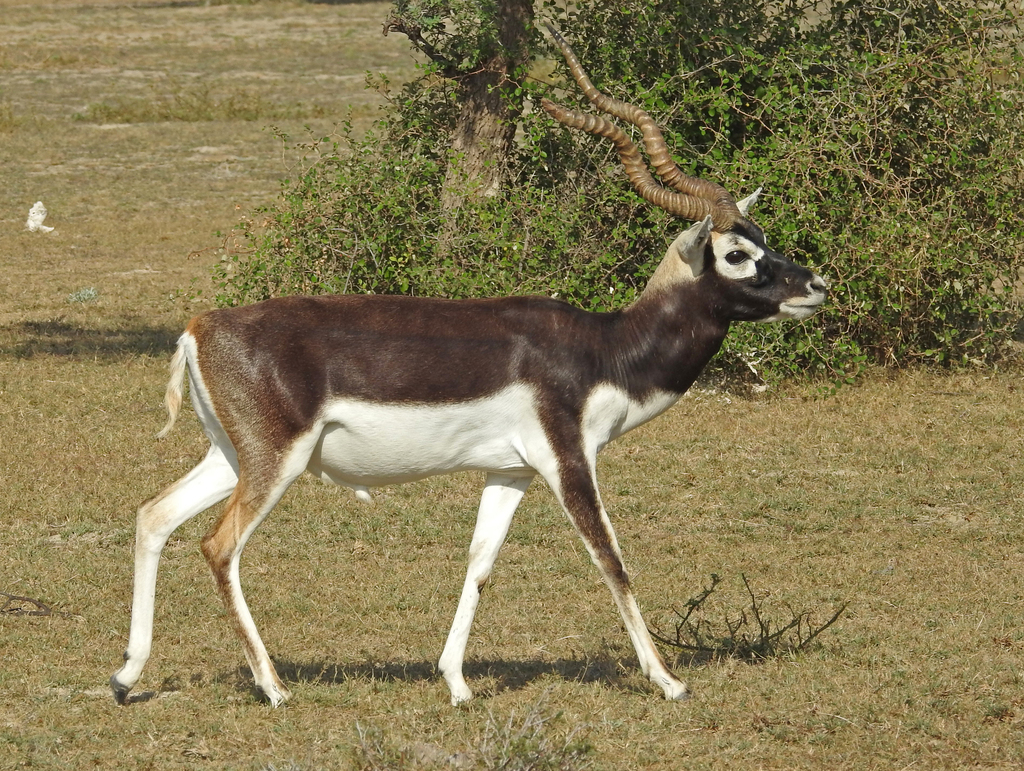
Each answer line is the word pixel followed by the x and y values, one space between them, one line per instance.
pixel 685 196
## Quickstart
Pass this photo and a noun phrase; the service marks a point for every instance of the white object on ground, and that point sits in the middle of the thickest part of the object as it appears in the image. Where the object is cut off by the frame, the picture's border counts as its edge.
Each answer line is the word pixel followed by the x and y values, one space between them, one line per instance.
pixel 36 215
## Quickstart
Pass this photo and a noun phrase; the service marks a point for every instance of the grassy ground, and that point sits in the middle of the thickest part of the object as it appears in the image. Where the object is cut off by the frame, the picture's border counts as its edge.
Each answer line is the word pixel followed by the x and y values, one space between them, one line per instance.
pixel 148 129
pixel 900 496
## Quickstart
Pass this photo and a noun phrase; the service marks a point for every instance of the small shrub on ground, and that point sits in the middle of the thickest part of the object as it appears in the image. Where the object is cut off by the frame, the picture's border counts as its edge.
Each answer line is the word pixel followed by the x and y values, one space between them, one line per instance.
pixel 84 295
pixel 355 222
pixel 749 634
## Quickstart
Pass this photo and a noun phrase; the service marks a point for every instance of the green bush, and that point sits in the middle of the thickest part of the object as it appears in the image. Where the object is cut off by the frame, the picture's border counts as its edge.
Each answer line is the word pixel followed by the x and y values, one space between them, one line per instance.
pixel 356 223
pixel 888 139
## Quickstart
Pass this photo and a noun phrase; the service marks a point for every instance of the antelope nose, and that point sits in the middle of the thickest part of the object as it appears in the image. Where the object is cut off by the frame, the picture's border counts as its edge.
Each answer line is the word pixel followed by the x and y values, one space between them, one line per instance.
pixel 818 285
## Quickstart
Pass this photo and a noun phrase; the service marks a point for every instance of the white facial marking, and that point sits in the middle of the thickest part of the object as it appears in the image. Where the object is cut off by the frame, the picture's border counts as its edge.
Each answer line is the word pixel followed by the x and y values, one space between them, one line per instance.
pixel 736 257
pixel 802 307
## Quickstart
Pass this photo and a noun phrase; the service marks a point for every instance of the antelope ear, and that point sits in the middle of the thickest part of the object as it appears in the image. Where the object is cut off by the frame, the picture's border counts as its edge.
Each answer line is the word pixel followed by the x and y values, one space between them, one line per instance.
pixel 689 246
pixel 749 201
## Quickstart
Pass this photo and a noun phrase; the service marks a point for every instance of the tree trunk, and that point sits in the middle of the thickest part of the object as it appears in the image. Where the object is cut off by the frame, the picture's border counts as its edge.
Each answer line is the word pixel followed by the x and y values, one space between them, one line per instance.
pixel 489 110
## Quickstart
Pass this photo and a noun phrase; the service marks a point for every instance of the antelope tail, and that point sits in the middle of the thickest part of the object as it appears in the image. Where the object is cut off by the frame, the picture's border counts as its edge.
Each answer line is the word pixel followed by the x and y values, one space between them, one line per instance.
pixel 175 389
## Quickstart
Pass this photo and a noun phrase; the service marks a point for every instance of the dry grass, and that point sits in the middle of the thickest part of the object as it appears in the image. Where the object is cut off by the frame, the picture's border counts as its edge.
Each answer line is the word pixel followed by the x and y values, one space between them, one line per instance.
pixel 901 496
pixel 132 197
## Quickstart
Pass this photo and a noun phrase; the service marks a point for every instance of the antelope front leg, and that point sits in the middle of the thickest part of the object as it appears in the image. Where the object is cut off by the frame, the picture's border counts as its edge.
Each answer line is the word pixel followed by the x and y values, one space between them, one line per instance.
pixel 576 487
pixel 498 503
pixel 222 547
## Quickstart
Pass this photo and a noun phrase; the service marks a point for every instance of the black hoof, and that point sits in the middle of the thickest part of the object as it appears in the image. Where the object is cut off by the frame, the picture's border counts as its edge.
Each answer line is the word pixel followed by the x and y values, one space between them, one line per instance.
pixel 120 691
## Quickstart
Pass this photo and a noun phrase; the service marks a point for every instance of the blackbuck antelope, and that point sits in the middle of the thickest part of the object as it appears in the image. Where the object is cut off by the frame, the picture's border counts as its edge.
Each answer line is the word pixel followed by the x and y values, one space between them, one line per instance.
pixel 368 391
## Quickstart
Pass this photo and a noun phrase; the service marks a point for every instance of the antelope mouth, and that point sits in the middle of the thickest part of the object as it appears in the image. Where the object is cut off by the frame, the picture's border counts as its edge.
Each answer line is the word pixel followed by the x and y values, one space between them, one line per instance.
pixel 802 307
pixel 797 311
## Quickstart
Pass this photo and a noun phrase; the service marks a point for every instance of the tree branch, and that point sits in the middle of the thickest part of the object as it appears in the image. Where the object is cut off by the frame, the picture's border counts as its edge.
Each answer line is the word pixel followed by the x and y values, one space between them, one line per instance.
pixel 413 31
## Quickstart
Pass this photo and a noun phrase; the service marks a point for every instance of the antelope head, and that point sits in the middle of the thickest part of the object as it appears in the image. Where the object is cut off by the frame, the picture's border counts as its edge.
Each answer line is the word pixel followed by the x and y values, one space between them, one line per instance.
pixel 765 285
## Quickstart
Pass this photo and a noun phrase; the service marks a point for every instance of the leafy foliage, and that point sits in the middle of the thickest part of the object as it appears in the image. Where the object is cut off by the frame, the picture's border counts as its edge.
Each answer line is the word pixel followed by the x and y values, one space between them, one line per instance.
pixel 888 138
pixel 354 222
pixel 457 36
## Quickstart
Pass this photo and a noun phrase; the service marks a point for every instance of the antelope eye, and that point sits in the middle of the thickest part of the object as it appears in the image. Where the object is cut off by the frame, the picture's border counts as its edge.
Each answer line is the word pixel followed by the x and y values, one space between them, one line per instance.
pixel 735 258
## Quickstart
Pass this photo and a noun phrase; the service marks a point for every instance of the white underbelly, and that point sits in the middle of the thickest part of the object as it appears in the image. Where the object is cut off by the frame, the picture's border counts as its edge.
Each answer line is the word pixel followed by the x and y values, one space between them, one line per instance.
pixel 364 444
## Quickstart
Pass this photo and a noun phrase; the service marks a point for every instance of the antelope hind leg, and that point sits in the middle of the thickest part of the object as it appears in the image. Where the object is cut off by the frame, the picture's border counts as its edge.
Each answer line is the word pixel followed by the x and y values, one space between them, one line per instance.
pixel 208 483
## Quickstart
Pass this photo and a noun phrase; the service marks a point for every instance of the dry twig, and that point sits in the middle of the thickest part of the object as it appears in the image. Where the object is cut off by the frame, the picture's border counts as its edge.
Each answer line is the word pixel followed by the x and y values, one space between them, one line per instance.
pixel 752 635
pixel 14 605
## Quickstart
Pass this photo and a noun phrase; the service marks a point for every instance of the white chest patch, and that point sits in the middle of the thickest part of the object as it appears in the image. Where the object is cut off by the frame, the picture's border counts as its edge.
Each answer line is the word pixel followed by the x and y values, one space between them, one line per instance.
pixel 610 412
pixel 363 444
